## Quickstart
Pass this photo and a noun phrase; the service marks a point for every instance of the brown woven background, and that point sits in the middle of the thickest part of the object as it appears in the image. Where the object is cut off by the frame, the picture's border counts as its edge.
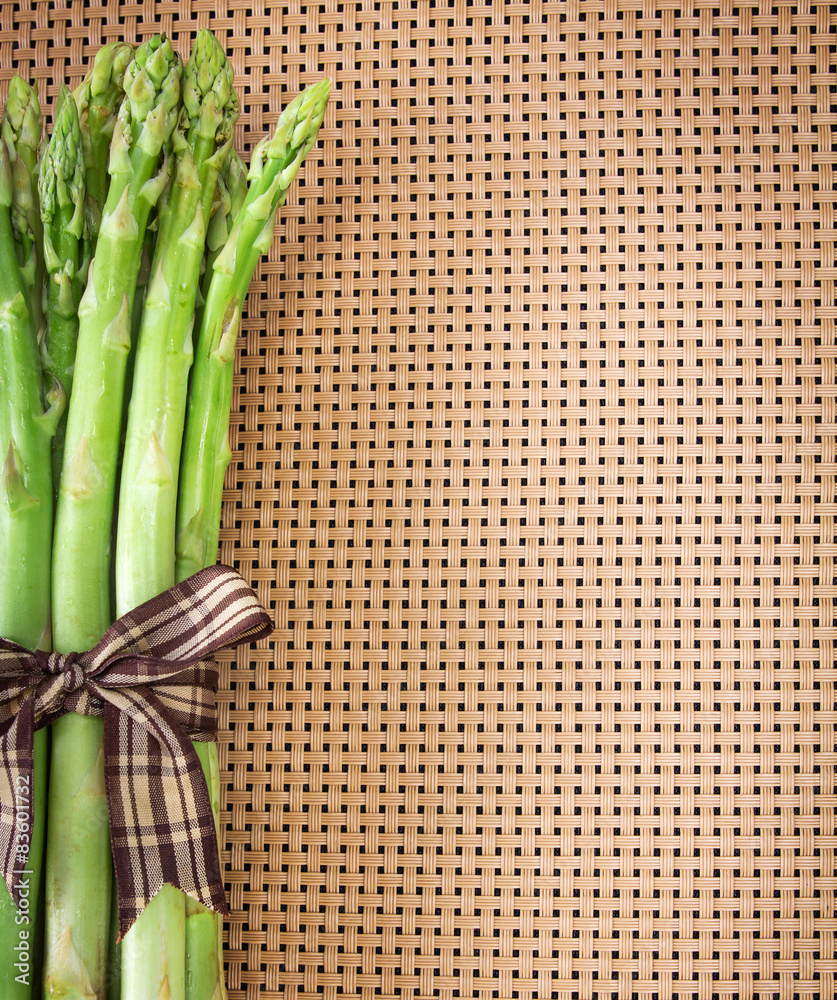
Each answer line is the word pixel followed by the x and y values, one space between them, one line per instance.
pixel 535 462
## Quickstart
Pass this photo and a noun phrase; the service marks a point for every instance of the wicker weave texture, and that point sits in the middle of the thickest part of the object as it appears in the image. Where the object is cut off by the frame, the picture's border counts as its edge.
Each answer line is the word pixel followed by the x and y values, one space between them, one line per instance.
pixel 535 446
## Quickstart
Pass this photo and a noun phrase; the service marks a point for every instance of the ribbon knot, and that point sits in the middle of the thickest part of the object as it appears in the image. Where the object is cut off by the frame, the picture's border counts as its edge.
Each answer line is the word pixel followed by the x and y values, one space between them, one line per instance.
pixel 62 684
pixel 151 678
pixel 65 665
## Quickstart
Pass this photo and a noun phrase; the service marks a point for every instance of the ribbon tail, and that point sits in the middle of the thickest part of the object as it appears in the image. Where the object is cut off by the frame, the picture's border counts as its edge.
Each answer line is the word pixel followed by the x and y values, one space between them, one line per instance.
pixel 17 763
pixel 161 824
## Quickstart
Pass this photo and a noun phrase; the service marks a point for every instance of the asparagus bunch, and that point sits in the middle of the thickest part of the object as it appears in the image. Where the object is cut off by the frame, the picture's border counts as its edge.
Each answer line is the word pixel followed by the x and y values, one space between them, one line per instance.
pixel 165 132
pixel 78 848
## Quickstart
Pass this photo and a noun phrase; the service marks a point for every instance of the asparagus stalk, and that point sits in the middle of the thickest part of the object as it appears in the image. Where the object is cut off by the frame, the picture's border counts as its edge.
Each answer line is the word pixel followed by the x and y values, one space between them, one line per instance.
pixel 98 97
pixel 25 542
pixel 206 451
pixel 21 129
pixel 62 194
pixel 151 459
pixel 79 866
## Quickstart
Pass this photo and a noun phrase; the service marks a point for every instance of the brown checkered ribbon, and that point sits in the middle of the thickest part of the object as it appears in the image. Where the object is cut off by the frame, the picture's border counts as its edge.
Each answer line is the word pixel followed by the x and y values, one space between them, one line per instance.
pixel 150 678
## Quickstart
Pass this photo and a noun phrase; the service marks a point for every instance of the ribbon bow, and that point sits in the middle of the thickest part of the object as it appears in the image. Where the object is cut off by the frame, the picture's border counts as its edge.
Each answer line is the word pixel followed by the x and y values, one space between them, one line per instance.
pixel 150 679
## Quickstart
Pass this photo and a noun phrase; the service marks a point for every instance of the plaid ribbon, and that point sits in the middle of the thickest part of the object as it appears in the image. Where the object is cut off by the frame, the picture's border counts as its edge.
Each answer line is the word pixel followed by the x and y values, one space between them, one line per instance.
pixel 150 679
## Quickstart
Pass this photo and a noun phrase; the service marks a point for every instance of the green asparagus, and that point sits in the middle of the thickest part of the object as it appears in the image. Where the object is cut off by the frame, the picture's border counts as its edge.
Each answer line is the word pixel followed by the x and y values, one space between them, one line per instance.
pixel 206 452
pixel 25 542
pixel 151 459
pixel 276 165
pixel 78 848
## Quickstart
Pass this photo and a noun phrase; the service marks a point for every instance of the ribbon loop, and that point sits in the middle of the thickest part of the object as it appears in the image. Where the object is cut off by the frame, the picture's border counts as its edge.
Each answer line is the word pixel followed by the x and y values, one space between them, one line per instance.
pixel 150 677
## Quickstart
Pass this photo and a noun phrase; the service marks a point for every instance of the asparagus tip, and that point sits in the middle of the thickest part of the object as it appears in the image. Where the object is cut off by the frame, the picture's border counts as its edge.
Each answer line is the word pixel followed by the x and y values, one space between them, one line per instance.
pixel 152 80
pixel 61 175
pixel 22 122
pixel 210 103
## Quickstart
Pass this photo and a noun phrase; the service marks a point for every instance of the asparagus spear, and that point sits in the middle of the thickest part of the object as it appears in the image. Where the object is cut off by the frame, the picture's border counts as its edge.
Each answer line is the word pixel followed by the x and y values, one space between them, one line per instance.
pixel 205 457
pixel 151 459
pixel 98 97
pixel 25 541
pixel 78 848
pixel 206 452
pixel 61 188
pixel 21 128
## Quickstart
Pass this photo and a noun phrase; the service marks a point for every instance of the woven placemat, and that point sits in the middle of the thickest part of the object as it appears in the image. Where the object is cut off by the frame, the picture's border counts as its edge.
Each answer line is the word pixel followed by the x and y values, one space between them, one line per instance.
pixel 535 440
